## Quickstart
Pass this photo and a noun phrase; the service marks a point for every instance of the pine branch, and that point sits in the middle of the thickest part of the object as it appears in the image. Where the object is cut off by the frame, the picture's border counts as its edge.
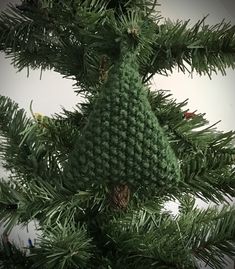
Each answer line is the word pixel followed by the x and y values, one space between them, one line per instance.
pixel 38 147
pixel 189 135
pixel 142 235
pixel 64 246
pixel 206 155
pixel 55 35
pixel 13 123
pixel 212 236
pixel 201 48
pixel 25 154
pixel 37 39
pixel 49 204
pixel 70 37
pixel 35 153
pixel 9 199
pixel 20 34
pixel 206 235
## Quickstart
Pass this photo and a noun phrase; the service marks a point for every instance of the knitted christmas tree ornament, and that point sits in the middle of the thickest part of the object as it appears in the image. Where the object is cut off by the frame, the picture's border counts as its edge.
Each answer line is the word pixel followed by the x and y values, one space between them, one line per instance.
pixel 122 143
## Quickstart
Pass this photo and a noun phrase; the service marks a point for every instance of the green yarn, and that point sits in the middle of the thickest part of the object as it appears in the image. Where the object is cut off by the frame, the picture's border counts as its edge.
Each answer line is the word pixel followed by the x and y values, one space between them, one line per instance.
pixel 122 142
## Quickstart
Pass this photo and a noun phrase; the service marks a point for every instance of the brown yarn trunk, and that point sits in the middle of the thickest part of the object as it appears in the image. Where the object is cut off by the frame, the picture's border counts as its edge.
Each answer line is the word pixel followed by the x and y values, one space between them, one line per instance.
pixel 120 196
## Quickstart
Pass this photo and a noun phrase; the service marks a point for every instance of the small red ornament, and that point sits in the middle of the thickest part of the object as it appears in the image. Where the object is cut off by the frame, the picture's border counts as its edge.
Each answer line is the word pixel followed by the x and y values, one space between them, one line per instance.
pixel 189 115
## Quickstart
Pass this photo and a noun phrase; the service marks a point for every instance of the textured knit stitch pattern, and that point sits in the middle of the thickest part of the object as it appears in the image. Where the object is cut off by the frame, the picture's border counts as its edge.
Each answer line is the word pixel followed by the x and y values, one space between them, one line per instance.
pixel 122 142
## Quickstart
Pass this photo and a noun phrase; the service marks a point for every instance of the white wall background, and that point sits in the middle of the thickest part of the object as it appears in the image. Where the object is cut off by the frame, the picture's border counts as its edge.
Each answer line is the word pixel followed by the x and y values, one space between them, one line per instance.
pixel 215 97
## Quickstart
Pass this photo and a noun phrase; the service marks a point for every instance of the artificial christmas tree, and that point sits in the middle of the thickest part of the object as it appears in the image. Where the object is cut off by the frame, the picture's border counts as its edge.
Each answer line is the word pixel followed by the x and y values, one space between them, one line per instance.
pixel 96 179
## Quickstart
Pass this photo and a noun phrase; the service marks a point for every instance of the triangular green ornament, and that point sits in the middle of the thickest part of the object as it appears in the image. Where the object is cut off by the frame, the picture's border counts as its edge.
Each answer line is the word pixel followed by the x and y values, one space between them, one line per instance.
pixel 122 142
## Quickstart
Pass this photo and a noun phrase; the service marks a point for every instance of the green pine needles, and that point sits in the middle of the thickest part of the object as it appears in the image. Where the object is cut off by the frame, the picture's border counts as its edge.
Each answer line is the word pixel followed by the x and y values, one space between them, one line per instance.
pixel 96 179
